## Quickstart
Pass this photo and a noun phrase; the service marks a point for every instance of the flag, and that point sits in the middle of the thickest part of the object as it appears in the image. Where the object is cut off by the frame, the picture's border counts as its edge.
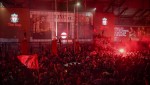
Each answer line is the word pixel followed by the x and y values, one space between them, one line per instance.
pixel 30 61
pixel 54 47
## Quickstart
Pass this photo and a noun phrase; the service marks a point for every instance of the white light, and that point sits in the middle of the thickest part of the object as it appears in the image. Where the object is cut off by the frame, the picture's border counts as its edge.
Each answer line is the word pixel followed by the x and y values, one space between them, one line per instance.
pixel 14 18
pixel 94 9
pixel 121 50
pixel 78 4
pixel 104 21
pixel 63 35
pixel 88 14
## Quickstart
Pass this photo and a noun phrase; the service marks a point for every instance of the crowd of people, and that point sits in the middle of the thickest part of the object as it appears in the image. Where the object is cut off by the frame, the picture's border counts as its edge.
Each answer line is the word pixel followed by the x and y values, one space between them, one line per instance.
pixel 93 64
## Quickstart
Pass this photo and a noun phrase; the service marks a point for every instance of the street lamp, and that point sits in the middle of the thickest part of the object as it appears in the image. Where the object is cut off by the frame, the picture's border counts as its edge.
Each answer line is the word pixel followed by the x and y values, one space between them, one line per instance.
pixel 78 4
pixel 76 23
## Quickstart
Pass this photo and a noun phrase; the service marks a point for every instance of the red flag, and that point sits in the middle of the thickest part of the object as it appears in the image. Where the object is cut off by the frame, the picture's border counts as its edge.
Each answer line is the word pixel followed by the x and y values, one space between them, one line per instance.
pixel 54 47
pixel 30 61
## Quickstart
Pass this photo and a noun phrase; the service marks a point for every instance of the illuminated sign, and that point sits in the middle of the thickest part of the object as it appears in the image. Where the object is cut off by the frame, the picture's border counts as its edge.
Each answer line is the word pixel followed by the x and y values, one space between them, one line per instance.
pixel 104 21
pixel 63 35
pixel 14 18
pixel 120 31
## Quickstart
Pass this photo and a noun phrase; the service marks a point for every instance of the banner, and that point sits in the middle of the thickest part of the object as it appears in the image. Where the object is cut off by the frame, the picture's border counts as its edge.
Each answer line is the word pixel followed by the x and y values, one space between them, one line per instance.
pixel 127 33
pixel 14 22
pixel 30 61
pixel 104 24
pixel 44 25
